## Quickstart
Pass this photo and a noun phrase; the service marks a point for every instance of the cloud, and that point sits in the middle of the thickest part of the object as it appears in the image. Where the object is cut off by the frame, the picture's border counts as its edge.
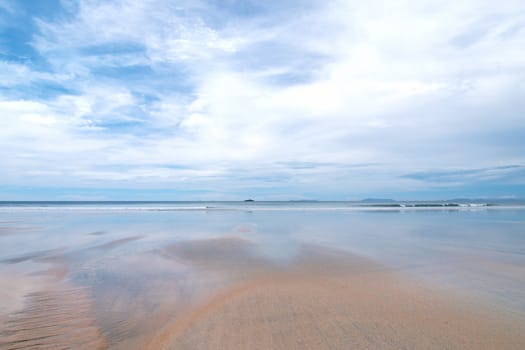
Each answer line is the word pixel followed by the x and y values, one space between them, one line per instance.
pixel 501 173
pixel 333 99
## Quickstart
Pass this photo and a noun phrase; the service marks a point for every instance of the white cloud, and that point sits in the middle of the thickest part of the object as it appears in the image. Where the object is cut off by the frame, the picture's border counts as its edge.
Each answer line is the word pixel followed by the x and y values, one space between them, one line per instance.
pixel 408 86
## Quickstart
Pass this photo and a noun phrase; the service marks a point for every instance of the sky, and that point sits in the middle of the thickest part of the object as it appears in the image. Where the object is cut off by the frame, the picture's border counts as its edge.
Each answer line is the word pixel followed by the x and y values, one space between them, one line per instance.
pixel 272 100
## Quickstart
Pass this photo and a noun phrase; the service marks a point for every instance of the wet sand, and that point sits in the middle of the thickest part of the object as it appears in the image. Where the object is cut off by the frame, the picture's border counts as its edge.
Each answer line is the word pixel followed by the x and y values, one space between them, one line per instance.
pixel 235 297
pixel 332 300
pixel 57 318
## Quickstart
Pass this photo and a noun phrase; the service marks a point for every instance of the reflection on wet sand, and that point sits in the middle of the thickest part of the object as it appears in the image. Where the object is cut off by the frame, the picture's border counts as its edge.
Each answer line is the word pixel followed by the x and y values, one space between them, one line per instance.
pixel 97 233
pixel 117 242
pixel 225 293
pixel 327 299
pixel 232 257
pixel 14 230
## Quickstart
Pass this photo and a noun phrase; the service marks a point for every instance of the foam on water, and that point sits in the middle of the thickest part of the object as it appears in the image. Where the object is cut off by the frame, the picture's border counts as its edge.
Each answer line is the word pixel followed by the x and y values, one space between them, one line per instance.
pixel 111 206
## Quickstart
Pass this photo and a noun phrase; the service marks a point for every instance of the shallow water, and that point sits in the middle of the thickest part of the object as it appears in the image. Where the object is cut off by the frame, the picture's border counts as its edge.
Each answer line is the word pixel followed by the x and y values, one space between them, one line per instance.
pixel 136 268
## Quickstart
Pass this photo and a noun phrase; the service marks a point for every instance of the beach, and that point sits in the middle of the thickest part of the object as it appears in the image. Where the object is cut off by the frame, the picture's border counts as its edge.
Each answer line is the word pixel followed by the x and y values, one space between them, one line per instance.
pixel 261 280
pixel 254 175
pixel 329 300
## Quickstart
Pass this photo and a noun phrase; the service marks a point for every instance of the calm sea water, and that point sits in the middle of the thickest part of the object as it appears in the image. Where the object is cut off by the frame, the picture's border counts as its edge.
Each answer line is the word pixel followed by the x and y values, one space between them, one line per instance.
pixel 111 246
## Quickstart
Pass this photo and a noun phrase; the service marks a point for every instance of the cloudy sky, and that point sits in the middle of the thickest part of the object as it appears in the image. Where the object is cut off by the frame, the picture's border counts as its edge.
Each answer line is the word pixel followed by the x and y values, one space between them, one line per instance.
pixel 167 99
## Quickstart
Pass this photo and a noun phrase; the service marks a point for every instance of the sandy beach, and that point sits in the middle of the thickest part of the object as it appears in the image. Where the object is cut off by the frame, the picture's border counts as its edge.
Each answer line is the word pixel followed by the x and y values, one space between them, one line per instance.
pixel 331 300
pixel 262 175
pixel 323 299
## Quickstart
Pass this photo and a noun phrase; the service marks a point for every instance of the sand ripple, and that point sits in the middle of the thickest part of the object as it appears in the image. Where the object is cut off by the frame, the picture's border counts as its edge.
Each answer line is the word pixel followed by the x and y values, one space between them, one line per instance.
pixel 53 319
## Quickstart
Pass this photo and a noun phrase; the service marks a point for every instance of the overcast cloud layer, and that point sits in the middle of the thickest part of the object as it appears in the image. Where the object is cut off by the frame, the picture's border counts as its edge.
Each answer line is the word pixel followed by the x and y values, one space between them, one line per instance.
pixel 160 99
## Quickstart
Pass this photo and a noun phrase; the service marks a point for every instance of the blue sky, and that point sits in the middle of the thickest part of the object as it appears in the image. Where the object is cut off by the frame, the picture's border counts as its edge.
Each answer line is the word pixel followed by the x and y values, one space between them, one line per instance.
pixel 161 99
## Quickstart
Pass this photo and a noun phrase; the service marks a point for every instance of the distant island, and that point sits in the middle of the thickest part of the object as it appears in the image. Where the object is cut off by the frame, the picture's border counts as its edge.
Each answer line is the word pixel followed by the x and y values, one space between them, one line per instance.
pixel 249 200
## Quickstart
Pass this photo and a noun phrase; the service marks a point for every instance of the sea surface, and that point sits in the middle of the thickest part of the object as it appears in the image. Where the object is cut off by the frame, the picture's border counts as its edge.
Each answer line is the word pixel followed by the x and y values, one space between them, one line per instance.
pixel 116 252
